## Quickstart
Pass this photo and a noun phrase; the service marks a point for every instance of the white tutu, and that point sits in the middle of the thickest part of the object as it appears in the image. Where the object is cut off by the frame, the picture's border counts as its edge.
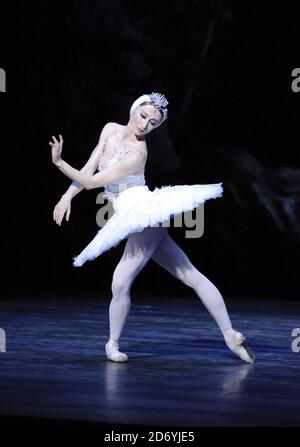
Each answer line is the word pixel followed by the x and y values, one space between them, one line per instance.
pixel 137 208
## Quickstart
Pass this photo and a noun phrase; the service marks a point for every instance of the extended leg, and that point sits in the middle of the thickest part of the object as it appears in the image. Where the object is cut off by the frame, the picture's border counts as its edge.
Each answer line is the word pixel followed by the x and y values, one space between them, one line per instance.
pixel 138 250
pixel 171 257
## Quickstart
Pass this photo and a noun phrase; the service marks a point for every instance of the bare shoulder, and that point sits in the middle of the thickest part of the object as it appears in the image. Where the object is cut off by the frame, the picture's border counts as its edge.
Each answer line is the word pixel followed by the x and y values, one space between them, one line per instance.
pixel 109 129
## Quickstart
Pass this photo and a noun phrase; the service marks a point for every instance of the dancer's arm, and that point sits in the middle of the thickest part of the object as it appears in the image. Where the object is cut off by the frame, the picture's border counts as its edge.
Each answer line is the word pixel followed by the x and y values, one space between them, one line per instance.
pixel 128 165
pixel 63 207
pixel 90 167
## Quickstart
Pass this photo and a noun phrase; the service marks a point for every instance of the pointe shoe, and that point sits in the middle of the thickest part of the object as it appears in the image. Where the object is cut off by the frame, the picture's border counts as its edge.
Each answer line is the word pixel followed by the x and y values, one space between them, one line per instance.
pixel 113 353
pixel 236 343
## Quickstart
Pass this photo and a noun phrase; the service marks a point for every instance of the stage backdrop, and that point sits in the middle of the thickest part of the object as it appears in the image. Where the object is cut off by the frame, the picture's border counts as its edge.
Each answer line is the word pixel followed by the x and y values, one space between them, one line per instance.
pixel 226 69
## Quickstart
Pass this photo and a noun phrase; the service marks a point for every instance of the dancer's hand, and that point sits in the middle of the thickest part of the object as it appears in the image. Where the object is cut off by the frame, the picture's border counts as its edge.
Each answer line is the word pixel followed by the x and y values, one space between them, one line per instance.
pixel 63 207
pixel 56 150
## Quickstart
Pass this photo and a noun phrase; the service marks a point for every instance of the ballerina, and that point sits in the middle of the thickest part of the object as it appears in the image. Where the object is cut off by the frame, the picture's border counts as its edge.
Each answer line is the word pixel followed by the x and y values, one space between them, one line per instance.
pixel 120 157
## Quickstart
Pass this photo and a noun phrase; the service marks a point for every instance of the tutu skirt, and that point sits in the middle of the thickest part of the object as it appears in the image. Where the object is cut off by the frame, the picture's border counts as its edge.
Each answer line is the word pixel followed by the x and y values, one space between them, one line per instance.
pixel 137 207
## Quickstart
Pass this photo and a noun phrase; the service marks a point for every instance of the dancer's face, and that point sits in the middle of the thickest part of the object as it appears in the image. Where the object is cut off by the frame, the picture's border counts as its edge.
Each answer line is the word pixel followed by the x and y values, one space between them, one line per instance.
pixel 144 119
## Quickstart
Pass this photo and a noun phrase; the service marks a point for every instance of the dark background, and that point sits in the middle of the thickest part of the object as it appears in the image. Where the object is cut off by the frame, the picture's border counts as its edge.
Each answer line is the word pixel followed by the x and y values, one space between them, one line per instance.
pixel 225 67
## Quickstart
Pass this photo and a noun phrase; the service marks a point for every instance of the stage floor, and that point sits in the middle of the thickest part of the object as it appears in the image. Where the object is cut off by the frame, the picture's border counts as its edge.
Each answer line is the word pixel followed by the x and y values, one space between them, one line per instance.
pixel 179 373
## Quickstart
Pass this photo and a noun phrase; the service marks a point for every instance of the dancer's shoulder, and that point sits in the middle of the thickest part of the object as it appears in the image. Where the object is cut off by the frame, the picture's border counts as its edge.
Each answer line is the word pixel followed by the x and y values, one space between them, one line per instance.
pixel 110 127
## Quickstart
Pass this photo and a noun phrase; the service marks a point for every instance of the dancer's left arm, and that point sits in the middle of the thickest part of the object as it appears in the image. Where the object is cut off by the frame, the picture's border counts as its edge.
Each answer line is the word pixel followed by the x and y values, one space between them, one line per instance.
pixel 128 165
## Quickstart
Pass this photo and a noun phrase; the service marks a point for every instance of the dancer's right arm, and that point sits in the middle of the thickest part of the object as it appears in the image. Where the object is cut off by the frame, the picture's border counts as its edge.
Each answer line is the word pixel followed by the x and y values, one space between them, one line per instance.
pixel 63 207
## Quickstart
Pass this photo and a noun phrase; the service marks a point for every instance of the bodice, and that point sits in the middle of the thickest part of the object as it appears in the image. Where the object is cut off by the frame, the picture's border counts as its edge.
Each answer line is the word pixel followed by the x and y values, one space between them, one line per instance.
pixel 125 182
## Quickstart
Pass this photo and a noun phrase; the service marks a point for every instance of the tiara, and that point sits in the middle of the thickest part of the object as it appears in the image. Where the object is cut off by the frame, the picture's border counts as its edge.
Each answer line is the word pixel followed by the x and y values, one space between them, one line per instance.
pixel 159 101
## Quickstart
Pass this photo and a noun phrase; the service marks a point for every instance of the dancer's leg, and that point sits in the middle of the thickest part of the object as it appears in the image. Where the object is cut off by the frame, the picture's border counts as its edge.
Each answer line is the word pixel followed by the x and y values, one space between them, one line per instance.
pixel 171 257
pixel 138 250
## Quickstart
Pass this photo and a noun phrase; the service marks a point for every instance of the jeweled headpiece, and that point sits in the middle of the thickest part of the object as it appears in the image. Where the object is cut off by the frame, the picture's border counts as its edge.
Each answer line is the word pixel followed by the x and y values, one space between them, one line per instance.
pixel 157 100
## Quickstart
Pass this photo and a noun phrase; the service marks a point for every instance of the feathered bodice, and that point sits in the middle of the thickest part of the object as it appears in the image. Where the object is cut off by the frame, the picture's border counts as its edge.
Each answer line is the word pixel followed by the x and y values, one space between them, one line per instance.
pixel 126 182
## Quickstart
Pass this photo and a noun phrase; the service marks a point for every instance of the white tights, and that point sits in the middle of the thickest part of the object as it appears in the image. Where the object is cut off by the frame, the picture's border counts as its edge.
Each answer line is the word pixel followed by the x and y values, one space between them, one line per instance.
pixel 156 243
